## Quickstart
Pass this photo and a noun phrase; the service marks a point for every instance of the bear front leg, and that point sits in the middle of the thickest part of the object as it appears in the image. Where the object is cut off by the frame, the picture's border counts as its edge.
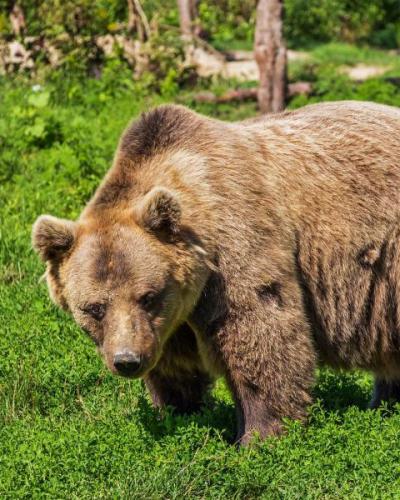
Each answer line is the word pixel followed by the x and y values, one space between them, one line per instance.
pixel 385 391
pixel 179 379
pixel 270 362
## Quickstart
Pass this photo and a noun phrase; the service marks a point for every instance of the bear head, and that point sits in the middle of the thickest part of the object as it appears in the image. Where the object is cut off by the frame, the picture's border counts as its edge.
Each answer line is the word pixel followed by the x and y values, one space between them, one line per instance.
pixel 128 276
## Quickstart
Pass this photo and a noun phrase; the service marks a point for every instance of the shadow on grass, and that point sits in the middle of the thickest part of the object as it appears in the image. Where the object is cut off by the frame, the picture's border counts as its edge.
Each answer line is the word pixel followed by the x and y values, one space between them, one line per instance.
pixel 336 392
pixel 217 416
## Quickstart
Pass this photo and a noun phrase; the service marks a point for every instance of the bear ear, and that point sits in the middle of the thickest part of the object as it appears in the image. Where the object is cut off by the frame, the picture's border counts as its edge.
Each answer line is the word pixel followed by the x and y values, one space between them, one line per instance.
pixel 52 237
pixel 160 211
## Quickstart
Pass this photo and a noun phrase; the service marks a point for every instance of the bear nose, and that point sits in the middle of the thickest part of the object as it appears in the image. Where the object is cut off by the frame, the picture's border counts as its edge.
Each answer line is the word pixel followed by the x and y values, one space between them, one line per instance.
pixel 127 362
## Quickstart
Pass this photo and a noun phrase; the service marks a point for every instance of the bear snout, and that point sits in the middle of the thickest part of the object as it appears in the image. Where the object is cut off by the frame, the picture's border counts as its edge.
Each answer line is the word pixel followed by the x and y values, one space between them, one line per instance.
pixel 128 363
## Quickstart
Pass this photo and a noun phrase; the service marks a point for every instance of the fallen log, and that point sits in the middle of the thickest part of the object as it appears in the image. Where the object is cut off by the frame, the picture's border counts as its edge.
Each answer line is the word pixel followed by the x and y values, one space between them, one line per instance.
pixel 250 94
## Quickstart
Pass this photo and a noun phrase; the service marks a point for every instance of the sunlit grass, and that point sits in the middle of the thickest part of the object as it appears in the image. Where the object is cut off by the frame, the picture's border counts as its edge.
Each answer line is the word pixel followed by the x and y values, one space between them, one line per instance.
pixel 68 428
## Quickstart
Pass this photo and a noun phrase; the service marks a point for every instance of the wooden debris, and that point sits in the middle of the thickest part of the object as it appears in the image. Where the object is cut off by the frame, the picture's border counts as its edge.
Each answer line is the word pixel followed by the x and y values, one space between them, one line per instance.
pixel 250 94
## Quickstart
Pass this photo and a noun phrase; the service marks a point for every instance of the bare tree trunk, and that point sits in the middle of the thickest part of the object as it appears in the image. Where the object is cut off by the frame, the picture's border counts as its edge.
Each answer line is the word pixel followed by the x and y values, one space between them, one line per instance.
pixel 187 17
pixel 270 54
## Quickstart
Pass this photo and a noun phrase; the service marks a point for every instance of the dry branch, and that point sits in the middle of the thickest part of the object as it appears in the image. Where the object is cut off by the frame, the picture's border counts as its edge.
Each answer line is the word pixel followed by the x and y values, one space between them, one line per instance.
pixel 137 20
pixel 17 20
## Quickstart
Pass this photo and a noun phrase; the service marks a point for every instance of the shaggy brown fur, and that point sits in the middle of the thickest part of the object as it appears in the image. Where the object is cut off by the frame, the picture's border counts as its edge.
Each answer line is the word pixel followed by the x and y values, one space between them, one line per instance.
pixel 250 250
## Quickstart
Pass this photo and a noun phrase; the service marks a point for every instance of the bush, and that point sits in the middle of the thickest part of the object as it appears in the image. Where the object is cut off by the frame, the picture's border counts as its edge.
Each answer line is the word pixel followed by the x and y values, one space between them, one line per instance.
pixel 307 21
pixel 72 27
pixel 340 20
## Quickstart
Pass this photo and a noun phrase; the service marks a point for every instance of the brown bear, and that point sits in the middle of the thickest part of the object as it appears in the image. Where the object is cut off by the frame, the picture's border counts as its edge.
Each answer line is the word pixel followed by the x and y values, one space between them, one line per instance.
pixel 251 250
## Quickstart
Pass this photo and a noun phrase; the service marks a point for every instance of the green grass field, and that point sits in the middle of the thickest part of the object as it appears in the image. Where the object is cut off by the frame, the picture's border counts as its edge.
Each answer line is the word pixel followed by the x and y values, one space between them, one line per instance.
pixel 68 429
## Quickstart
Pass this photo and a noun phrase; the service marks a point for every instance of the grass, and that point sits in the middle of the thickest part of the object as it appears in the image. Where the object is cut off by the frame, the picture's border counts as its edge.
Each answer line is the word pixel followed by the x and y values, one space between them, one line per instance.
pixel 342 53
pixel 68 429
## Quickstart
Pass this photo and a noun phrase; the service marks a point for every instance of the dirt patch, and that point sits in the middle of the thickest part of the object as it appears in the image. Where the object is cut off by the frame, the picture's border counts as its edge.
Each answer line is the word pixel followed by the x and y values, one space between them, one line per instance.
pixel 361 72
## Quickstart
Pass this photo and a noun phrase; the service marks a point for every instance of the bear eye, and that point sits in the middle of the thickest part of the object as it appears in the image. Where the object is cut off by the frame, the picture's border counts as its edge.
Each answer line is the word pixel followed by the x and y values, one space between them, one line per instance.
pixel 148 301
pixel 97 311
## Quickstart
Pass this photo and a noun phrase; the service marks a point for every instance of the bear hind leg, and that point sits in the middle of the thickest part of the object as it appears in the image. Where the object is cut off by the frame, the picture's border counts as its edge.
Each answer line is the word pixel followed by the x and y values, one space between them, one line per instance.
pixel 385 391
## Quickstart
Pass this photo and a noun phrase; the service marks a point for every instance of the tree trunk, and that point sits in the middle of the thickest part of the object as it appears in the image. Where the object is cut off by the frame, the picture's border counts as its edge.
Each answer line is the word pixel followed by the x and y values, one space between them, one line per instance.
pixel 187 16
pixel 270 54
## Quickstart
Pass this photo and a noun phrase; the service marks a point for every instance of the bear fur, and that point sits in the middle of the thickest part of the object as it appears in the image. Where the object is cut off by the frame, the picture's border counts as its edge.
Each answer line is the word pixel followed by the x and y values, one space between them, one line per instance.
pixel 253 250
